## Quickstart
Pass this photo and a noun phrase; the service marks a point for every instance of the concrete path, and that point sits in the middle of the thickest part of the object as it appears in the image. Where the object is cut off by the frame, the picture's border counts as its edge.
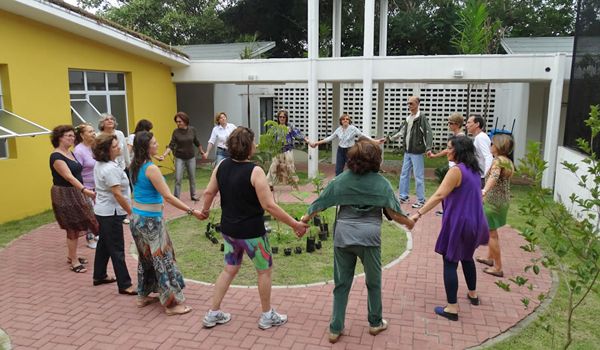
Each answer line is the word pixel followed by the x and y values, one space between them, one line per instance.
pixel 43 305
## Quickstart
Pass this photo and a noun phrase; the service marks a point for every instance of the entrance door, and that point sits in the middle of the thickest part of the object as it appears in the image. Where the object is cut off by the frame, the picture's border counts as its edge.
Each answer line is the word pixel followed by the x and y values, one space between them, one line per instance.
pixel 266 111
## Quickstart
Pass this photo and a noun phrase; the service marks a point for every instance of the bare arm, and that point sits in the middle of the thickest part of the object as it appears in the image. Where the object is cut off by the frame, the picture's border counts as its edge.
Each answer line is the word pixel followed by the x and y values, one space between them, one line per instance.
pixel 451 181
pixel 401 219
pixel 63 170
pixel 265 197
pixel 123 202
pixel 153 173
pixel 494 175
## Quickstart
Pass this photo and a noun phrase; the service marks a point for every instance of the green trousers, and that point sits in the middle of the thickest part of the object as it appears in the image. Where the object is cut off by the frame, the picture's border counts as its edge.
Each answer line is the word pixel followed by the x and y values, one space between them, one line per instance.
pixel 344 262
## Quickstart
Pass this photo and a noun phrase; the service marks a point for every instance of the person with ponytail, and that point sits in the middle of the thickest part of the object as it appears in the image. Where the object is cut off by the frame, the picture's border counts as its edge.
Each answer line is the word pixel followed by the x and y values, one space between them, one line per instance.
pixel 157 270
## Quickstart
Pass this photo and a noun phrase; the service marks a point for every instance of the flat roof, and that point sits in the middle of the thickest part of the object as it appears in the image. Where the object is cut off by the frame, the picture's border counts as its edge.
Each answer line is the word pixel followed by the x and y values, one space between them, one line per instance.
pixel 523 45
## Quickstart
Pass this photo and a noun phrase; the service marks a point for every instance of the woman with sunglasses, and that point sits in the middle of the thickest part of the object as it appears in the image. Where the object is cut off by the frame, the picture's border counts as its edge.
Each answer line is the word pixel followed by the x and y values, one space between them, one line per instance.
pixel 347 135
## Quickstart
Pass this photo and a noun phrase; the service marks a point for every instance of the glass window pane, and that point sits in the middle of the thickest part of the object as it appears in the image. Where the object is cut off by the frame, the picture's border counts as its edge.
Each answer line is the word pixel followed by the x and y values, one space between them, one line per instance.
pixel 86 111
pixel 3 148
pixel 95 81
pixel 77 96
pixel 100 103
pixel 18 126
pixel 119 110
pixel 116 81
pixel 76 80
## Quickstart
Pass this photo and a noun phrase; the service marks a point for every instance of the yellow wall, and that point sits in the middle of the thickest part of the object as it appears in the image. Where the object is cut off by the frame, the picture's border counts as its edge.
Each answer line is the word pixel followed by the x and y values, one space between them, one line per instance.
pixel 34 63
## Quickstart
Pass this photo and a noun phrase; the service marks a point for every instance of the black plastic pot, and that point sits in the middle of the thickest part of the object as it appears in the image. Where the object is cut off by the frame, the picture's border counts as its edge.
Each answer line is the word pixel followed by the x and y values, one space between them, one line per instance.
pixel 275 250
pixel 218 227
pixel 318 245
pixel 214 240
pixel 208 227
pixel 298 250
pixel 323 236
pixel 325 228
pixel 222 247
pixel 310 245
pixel 287 251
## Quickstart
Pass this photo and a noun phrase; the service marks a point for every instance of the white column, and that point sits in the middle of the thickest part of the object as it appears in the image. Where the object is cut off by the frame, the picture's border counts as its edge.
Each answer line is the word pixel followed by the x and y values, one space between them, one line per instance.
pixel 337 29
pixel 368 65
pixel 383 23
pixel 553 120
pixel 313 85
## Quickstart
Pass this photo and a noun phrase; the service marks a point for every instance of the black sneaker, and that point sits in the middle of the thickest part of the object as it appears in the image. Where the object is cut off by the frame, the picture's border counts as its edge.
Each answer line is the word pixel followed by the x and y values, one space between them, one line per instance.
pixel 403 200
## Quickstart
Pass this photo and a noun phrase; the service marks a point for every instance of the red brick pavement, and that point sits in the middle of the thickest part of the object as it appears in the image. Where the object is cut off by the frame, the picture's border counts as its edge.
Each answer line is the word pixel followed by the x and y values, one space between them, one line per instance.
pixel 46 306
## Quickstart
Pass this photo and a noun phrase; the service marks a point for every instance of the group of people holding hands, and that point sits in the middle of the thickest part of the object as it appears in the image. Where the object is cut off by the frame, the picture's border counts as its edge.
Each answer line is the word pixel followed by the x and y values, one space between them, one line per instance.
pixel 91 194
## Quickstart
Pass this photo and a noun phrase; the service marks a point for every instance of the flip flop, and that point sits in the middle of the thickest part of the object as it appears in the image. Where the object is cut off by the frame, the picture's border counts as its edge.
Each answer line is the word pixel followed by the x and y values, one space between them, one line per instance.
pixel 79 268
pixel 106 280
pixel 145 301
pixel 489 271
pixel 488 262
pixel 439 310
pixel 172 312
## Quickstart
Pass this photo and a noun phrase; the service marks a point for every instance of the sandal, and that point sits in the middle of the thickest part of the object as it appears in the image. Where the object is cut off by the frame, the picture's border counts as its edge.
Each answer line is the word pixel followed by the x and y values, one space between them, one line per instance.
pixel 489 271
pixel 81 260
pixel 145 301
pixel 128 292
pixel 105 280
pixel 79 268
pixel 172 311
pixel 488 262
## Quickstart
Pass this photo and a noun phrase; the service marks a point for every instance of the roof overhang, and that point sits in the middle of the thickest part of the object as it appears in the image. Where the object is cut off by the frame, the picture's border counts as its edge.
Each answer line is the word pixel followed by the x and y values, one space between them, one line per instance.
pixel 425 69
pixel 70 21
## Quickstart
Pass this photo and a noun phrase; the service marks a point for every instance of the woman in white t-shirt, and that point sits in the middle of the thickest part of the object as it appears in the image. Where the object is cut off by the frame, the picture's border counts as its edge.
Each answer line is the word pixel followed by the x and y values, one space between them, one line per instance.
pixel 218 137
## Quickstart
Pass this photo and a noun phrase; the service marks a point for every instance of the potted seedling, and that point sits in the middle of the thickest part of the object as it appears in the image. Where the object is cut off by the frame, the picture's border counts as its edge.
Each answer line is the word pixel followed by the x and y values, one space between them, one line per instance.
pixel 287 251
pixel 310 241
pixel 318 245
pixel 298 250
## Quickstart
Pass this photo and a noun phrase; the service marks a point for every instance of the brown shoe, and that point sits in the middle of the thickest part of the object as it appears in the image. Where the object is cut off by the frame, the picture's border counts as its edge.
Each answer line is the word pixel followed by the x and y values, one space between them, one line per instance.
pixel 333 337
pixel 376 330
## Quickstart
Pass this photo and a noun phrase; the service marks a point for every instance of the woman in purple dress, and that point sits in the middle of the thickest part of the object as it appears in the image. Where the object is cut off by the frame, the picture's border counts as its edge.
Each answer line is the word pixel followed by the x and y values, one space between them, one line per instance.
pixel 464 226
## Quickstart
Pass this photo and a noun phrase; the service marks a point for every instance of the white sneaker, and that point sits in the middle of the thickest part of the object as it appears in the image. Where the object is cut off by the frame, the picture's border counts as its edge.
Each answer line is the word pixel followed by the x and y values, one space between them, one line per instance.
pixel 274 319
pixel 126 221
pixel 92 244
pixel 96 238
pixel 220 318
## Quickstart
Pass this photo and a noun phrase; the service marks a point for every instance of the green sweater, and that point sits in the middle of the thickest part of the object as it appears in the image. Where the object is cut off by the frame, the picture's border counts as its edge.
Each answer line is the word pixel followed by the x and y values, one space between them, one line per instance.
pixel 365 191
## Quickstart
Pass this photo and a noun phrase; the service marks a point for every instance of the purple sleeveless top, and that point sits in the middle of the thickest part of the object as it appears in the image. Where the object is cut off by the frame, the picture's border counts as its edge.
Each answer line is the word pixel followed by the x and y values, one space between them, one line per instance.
pixel 464 226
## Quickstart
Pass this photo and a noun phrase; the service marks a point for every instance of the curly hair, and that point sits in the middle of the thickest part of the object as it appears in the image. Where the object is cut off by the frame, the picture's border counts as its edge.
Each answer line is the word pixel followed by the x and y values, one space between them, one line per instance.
pixel 58 132
pixel 143 125
pixel 141 145
pixel 464 152
pixel 103 118
pixel 364 157
pixel 240 143
pixel 101 149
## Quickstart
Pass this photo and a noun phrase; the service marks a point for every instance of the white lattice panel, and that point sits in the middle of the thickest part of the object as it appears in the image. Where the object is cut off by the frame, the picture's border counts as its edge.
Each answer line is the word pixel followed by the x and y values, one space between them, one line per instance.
pixel 295 101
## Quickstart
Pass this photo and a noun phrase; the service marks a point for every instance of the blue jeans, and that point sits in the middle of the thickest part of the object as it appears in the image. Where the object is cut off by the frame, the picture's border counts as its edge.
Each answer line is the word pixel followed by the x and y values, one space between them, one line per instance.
pixel 221 154
pixel 340 160
pixel 190 167
pixel 416 163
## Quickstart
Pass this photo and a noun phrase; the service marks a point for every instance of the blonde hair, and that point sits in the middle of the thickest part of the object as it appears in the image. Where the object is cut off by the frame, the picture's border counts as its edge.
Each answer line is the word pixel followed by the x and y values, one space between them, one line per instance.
pixel 457 119
pixel 504 144
pixel 345 115
pixel 218 115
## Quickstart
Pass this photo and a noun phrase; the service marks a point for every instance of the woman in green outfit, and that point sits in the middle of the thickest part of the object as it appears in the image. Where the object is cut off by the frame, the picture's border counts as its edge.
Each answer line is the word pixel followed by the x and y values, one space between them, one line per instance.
pixel 496 196
pixel 362 195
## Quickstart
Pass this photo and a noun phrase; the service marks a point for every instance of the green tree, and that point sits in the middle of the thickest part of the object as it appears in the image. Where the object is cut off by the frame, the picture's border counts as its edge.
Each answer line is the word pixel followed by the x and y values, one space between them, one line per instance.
pixel 476 32
pixel 176 22
pixel 524 18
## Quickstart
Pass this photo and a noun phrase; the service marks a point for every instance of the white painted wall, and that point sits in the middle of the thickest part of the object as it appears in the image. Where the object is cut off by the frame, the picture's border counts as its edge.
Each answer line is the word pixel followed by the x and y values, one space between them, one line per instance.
pixel 566 183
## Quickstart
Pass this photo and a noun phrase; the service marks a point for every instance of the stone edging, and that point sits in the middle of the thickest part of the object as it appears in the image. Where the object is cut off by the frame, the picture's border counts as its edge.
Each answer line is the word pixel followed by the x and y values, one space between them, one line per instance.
pixel 4 340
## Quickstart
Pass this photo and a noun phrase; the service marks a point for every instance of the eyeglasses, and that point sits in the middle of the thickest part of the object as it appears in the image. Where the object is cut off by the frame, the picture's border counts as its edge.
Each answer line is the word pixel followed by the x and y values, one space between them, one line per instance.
pixel 281 116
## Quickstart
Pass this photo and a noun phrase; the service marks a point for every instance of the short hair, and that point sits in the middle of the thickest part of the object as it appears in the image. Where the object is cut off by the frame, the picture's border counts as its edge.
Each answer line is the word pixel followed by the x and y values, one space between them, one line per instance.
pixel 102 146
pixel 479 120
pixel 58 132
pixel 79 129
pixel 218 115
pixel 240 143
pixel 345 115
pixel 456 118
pixel 183 116
pixel 103 118
pixel 364 157
pixel 416 98
pixel 285 113
pixel 504 144
pixel 143 125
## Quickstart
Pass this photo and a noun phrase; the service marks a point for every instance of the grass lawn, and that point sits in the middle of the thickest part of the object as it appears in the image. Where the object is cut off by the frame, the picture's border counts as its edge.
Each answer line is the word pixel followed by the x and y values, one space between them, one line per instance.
pixel 199 259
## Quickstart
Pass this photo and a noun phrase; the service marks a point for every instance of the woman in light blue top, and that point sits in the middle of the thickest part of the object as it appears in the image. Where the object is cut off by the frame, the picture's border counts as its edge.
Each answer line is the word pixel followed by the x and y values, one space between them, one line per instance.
pixel 157 271
pixel 347 134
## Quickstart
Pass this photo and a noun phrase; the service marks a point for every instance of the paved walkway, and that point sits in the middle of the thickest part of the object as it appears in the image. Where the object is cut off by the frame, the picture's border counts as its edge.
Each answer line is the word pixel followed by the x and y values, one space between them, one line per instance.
pixel 46 306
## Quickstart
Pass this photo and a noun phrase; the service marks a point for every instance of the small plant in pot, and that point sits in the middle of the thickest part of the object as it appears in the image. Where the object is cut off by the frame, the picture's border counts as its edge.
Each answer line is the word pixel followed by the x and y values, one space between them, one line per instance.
pixel 287 251
pixel 298 250
pixel 310 242
pixel 275 250
pixel 318 245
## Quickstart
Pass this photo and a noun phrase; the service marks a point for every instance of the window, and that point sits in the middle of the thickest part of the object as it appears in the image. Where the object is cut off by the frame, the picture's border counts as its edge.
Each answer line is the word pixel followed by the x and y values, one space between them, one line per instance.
pixel 93 93
pixel 12 125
